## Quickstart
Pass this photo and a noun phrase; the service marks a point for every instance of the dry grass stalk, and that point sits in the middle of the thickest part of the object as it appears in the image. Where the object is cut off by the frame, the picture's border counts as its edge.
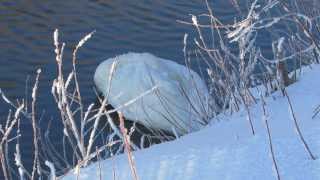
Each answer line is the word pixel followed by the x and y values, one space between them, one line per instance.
pixel 52 170
pixel 74 73
pixel 60 92
pixel 36 161
pixel 309 35
pixel 99 164
pixel 232 73
pixel 5 133
pixel 316 111
pixel 265 119
pixel 127 146
pixel 294 118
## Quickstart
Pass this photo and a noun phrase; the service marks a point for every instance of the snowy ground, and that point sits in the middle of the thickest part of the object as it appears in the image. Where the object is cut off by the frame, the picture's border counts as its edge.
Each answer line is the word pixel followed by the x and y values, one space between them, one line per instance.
pixel 227 149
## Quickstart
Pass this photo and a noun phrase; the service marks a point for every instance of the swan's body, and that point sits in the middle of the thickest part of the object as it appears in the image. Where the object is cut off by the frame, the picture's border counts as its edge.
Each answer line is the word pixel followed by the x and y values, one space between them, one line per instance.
pixel 179 101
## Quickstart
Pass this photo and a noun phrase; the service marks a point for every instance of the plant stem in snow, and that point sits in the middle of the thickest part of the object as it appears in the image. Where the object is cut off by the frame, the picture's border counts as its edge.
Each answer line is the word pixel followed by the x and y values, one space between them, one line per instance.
pixel 298 128
pixel 316 111
pixel 265 119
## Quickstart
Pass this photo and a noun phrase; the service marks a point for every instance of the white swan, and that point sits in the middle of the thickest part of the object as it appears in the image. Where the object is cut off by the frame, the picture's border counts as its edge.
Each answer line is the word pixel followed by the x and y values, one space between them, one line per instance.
pixel 178 104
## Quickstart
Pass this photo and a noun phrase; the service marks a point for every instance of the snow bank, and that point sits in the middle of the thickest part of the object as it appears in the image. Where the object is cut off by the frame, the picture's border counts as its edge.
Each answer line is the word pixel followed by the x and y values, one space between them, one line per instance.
pixel 179 99
pixel 228 150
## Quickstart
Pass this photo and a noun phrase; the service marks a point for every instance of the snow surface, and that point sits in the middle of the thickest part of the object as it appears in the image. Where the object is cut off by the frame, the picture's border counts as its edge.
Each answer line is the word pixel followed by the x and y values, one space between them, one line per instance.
pixel 226 149
pixel 176 102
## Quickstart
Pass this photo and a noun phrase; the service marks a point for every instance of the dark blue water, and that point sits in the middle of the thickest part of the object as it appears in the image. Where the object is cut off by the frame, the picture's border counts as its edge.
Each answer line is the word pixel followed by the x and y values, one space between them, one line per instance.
pixel 121 26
